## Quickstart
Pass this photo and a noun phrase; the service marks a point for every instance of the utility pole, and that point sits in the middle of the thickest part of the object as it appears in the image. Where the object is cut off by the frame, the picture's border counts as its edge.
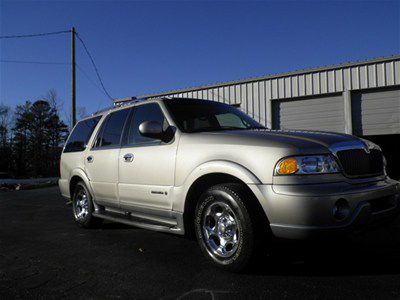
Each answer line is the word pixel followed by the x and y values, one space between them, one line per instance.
pixel 73 77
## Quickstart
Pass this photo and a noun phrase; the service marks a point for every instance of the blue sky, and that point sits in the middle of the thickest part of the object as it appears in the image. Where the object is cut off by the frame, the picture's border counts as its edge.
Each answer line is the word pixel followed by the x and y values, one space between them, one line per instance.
pixel 147 47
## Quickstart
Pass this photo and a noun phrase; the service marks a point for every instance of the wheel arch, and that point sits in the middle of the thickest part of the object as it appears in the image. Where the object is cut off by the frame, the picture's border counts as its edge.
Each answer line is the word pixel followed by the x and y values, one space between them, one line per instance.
pixel 202 183
pixel 76 176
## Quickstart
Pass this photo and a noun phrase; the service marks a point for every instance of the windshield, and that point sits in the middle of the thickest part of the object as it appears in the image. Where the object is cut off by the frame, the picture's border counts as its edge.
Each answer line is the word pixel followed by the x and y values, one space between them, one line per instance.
pixel 193 115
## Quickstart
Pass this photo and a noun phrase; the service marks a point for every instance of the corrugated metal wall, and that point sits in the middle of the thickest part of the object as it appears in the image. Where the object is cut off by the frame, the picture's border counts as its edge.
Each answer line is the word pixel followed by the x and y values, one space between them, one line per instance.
pixel 258 97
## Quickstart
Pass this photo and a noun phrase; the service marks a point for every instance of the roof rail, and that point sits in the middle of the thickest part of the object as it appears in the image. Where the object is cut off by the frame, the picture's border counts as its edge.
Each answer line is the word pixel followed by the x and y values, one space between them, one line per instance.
pixel 121 102
pixel 128 100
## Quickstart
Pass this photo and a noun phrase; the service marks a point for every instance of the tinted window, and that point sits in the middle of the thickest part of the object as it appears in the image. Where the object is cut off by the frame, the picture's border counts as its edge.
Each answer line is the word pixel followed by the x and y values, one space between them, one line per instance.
pixel 193 115
pixel 81 134
pixel 145 112
pixel 111 130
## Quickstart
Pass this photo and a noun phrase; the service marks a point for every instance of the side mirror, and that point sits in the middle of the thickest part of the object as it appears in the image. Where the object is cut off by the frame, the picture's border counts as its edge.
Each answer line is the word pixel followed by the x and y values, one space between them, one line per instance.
pixel 154 130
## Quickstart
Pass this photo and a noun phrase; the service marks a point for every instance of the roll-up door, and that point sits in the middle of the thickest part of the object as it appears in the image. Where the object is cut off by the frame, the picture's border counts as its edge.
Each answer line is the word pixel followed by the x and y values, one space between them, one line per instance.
pixel 376 112
pixel 319 113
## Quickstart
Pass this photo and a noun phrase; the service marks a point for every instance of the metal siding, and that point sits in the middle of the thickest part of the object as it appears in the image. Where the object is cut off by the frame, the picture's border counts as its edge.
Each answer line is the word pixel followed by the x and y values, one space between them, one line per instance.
pixel 225 94
pixel 302 85
pixel 232 94
pixel 274 89
pixel 347 79
pixel 389 73
pixel 256 101
pixel 243 98
pixel 249 99
pixel 238 96
pixel 263 100
pixel 339 80
pixel 288 87
pixel 322 113
pixel 376 112
pixel 322 82
pixel 295 86
pixel 380 74
pixel 221 95
pixel 209 94
pixel 354 78
pixel 316 83
pixel 216 95
pixel 255 95
pixel 397 71
pixel 281 88
pixel 363 77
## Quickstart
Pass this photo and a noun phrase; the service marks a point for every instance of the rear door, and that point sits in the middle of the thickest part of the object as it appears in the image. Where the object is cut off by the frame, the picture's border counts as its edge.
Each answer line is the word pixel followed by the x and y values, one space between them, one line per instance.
pixel 146 166
pixel 102 159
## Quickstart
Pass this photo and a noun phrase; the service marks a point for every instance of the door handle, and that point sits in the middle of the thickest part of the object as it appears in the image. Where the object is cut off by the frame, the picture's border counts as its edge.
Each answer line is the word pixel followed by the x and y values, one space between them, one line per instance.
pixel 128 157
pixel 89 159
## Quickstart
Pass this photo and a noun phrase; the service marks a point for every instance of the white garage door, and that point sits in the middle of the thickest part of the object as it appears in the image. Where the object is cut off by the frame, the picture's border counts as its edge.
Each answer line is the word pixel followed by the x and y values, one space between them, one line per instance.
pixel 376 112
pixel 321 113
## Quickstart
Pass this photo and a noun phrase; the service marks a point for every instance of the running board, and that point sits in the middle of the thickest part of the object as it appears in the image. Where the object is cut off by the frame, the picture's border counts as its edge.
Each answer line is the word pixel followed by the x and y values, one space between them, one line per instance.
pixel 145 222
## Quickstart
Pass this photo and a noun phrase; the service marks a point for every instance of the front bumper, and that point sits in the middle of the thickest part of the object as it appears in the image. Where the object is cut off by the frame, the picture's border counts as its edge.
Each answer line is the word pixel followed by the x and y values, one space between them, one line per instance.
pixel 309 210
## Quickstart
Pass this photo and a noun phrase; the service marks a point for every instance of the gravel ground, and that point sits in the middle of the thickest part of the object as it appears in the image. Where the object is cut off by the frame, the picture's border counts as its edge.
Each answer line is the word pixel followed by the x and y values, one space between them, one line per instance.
pixel 43 254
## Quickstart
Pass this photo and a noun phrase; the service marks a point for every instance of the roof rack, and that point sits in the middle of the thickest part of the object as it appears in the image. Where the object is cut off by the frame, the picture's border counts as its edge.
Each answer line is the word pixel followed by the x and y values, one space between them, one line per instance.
pixel 120 102
pixel 128 100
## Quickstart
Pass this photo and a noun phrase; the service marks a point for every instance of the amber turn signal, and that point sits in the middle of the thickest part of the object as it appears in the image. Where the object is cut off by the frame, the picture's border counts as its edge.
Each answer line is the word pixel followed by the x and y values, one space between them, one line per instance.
pixel 288 166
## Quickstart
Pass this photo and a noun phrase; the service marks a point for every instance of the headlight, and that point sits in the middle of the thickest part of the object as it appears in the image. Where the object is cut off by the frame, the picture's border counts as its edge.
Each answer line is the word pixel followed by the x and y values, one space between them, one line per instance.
pixel 313 164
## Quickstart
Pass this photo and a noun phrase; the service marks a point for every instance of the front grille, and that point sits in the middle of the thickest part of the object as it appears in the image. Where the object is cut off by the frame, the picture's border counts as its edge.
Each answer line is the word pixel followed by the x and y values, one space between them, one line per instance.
pixel 357 162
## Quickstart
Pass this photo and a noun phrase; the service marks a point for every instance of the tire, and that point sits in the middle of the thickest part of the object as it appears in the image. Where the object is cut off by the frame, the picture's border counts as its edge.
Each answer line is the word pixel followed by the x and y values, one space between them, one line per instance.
pixel 83 208
pixel 224 227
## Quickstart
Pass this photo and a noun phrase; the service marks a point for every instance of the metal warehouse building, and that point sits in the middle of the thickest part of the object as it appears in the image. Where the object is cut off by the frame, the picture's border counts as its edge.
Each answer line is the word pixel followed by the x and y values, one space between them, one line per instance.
pixel 361 98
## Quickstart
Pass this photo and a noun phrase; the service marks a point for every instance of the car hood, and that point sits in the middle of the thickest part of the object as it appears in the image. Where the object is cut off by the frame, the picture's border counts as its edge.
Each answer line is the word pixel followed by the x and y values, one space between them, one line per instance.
pixel 303 141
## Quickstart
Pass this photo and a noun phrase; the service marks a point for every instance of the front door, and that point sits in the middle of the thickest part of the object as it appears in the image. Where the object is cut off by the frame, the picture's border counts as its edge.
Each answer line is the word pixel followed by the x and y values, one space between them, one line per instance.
pixel 101 160
pixel 146 166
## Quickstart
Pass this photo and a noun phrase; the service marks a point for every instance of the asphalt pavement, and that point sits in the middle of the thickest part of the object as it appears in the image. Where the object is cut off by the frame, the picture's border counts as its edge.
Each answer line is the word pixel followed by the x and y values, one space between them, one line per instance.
pixel 43 254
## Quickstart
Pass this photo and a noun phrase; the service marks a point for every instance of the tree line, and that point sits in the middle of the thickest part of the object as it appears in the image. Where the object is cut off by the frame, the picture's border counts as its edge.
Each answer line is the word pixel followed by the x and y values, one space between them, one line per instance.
pixel 31 138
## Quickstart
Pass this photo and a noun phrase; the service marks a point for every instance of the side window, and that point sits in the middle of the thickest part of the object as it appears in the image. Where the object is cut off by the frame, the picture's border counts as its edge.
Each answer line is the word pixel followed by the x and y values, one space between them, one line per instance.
pixel 144 112
pixel 111 130
pixel 81 134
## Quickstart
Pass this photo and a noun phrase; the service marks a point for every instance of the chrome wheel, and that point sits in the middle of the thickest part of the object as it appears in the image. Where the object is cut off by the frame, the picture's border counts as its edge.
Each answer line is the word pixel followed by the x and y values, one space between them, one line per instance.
pixel 221 229
pixel 81 205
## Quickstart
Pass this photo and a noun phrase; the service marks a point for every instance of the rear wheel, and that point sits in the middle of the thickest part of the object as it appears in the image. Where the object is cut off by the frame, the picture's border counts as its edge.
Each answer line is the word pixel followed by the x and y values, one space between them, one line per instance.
pixel 82 207
pixel 224 228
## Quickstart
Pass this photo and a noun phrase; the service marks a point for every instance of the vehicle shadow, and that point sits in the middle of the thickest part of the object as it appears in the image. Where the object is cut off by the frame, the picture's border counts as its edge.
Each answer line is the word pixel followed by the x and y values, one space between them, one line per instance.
pixel 373 253
pixel 108 225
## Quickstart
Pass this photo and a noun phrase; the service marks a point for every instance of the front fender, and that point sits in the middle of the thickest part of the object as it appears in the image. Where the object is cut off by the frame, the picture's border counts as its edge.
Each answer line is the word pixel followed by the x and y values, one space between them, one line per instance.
pixel 216 166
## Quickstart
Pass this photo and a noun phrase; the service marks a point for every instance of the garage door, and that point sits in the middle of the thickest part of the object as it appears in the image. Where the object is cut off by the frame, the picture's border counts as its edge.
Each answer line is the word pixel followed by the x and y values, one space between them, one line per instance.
pixel 322 113
pixel 376 112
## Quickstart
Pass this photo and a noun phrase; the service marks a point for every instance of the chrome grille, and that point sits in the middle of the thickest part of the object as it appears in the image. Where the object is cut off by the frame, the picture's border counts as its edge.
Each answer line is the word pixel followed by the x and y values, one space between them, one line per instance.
pixel 358 163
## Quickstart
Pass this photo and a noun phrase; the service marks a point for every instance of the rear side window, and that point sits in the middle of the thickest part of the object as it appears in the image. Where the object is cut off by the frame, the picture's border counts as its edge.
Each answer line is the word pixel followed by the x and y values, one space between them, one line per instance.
pixel 111 130
pixel 81 134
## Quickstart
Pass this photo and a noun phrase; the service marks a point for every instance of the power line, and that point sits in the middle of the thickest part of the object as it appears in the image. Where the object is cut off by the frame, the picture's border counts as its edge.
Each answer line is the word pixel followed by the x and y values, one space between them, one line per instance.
pixel 33 62
pixel 104 90
pixel 90 80
pixel 56 63
pixel 94 66
pixel 32 35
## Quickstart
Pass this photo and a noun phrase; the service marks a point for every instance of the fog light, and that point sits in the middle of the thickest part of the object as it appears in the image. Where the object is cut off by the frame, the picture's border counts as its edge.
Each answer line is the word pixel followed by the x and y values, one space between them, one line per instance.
pixel 341 210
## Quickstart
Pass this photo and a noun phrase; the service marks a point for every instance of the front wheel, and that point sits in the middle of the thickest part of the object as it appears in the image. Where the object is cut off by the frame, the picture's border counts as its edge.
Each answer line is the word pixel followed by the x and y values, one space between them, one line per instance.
pixel 224 228
pixel 82 207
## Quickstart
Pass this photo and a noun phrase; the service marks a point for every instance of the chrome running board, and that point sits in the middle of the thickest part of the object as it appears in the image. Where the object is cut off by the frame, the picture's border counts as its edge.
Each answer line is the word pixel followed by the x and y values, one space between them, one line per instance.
pixel 143 221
